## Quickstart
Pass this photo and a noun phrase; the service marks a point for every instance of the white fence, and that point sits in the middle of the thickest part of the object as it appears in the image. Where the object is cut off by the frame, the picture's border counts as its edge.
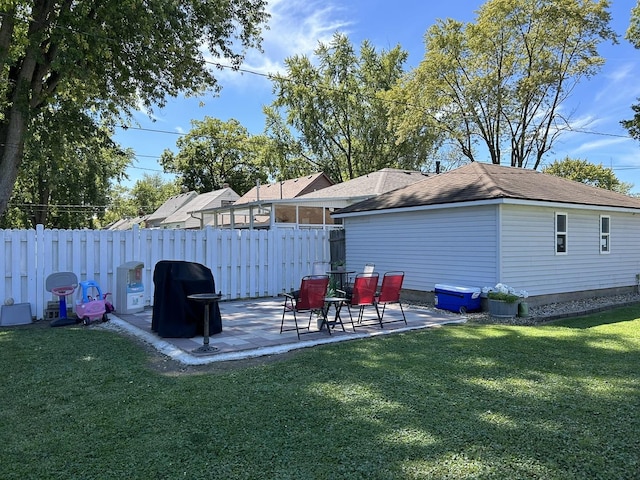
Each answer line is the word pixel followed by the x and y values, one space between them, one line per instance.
pixel 245 263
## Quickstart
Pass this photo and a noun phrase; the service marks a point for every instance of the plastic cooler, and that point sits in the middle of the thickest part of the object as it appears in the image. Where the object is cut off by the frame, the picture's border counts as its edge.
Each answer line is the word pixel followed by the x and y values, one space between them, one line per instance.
pixel 457 299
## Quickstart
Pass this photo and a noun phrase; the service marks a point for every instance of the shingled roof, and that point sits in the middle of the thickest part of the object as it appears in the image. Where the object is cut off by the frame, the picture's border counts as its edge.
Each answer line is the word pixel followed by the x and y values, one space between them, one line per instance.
pixel 373 183
pixel 287 189
pixel 169 207
pixel 482 181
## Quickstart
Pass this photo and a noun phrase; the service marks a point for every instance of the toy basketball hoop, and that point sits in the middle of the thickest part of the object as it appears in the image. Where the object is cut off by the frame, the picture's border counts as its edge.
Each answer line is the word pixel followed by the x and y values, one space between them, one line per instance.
pixel 63 291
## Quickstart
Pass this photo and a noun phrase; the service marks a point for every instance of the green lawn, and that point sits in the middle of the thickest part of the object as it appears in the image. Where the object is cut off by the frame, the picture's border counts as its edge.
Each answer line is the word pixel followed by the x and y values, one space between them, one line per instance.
pixel 560 401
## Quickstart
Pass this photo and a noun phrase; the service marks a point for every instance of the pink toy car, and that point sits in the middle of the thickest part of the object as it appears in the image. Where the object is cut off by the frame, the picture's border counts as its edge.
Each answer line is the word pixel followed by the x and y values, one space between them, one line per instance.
pixel 92 305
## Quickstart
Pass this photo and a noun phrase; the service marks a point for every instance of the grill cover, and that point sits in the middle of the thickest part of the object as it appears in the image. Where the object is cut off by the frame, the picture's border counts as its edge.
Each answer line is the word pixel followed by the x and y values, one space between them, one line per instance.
pixel 175 316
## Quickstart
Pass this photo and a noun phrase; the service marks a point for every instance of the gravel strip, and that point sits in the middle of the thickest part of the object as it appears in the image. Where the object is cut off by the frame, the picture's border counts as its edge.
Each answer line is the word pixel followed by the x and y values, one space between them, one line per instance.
pixel 554 311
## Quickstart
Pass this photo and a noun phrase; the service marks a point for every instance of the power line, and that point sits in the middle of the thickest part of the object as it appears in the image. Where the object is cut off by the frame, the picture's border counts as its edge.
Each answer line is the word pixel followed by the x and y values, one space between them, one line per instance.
pixel 272 77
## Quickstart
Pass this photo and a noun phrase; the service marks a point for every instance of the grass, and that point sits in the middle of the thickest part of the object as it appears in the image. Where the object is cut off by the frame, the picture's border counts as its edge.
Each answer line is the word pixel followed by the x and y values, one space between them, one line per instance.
pixel 559 401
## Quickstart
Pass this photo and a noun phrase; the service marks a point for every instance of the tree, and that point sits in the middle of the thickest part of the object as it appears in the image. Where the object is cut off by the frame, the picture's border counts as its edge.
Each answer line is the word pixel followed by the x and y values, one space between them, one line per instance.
pixel 110 57
pixel 67 171
pixel 149 193
pixel 338 116
pixel 633 35
pixel 588 173
pixel 497 85
pixel 215 153
pixel 144 198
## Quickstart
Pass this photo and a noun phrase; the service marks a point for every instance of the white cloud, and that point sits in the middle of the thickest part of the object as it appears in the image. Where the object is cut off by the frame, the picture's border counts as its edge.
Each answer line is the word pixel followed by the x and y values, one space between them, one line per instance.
pixel 620 84
pixel 296 27
pixel 601 144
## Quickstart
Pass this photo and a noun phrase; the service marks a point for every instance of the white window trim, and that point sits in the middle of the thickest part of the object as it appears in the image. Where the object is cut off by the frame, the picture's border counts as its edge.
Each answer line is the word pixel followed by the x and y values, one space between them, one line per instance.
pixel 565 233
pixel 607 234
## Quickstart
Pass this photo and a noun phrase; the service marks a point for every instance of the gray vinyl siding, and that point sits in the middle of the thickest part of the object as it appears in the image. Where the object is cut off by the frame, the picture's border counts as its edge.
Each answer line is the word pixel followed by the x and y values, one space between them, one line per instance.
pixel 529 261
pixel 452 246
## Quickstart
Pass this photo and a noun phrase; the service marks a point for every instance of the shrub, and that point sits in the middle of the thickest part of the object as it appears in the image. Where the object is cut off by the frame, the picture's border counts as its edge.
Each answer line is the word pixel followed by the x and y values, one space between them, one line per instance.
pixel 503 296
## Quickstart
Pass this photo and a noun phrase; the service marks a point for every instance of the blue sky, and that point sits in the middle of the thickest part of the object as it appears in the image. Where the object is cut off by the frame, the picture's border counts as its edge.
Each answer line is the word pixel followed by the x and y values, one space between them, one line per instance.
pixel 296 27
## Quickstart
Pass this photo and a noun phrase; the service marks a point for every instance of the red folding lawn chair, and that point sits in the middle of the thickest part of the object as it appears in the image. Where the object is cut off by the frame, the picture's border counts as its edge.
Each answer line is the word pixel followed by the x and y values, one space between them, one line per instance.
pixel 310 299
pixel 390 293
pixel 362 294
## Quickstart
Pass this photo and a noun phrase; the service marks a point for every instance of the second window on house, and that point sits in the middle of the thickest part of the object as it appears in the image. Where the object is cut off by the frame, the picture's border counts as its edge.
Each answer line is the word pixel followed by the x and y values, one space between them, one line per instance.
pixel 561 232
pixel 605 232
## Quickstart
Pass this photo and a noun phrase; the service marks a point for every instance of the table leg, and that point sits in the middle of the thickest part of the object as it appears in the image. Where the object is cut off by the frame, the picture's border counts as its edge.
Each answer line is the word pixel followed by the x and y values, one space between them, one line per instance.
pixel 339 306
pixel 206 348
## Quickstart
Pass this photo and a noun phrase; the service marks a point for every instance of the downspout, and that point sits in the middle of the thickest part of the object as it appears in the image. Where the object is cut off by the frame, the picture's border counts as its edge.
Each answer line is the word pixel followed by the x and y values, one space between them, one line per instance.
pixel 499 244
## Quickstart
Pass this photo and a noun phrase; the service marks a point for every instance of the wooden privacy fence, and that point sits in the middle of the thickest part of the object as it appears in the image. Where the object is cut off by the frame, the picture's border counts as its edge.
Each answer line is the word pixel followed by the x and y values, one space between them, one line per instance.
pixel 244 263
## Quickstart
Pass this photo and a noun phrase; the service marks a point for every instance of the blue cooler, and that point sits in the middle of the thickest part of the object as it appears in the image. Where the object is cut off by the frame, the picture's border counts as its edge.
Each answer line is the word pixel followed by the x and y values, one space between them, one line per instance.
pixel 457 299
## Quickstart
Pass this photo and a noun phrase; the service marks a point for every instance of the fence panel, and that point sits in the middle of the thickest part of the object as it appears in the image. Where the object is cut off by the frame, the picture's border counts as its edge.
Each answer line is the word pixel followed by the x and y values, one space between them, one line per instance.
pixel 244 263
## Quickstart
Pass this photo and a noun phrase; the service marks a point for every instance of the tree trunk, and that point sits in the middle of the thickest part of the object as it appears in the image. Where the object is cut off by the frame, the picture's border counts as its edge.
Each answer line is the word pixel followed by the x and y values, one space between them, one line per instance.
pixel 12 136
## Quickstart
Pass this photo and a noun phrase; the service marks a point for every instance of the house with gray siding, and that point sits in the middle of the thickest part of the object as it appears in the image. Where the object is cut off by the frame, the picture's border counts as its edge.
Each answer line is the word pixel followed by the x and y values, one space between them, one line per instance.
pixel 483 224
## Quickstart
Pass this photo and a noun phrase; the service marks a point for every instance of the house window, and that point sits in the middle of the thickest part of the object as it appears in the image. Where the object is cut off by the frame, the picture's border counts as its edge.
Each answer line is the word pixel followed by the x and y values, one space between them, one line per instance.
pixel 605 232
pixel 561 233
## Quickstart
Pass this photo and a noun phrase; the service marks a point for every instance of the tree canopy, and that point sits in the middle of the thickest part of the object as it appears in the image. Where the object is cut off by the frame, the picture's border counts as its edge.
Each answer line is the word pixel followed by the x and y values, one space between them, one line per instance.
pixel 215 153
pixel 633 35
pixel 495 87
pixel 328 115
pixel 110 57
pixel 588 173
pixel 68 169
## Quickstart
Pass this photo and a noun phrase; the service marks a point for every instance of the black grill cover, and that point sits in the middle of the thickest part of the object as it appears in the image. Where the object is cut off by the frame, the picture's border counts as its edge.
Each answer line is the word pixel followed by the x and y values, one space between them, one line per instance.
pixel 175 316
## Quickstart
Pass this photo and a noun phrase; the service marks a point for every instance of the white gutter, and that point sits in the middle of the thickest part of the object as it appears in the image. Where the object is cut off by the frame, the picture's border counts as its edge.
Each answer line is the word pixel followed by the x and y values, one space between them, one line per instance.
pixel 496 201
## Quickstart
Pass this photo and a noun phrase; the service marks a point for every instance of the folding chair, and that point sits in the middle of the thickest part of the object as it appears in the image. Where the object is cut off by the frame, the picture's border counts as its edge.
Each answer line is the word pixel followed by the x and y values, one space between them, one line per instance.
pixel 363 294
pixel 390 293
pixel 367 271
pixel 368 268
pixel 313 289
pixel 320 268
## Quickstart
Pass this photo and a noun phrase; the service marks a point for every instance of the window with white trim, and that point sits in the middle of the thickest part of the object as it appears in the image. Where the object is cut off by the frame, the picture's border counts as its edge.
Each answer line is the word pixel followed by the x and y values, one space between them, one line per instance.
pixel 561 233
pixel 605 233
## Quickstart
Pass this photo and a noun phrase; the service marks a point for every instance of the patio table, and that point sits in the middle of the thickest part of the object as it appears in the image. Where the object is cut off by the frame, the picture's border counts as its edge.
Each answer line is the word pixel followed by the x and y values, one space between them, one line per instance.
pixel 337 303
pixel 340 274
pixel 207 299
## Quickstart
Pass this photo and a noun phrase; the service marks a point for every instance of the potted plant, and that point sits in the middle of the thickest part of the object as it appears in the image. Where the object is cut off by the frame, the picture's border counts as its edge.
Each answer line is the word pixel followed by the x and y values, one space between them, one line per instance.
pixel 503 302
pixel 338 265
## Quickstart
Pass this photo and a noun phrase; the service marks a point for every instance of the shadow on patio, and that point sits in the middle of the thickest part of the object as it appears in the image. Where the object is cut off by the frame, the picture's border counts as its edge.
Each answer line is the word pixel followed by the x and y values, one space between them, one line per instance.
pixel 251 328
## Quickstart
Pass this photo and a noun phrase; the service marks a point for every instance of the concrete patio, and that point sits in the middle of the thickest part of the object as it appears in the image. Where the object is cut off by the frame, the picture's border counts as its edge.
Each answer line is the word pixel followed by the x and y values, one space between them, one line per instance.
pixel 251 328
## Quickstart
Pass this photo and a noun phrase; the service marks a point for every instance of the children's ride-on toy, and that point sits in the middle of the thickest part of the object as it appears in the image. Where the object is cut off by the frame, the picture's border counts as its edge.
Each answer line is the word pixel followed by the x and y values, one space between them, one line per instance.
pixel 92 305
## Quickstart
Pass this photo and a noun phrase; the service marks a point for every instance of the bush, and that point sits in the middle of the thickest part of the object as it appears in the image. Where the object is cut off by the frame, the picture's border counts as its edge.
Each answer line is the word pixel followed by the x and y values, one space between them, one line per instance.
pixel 503 296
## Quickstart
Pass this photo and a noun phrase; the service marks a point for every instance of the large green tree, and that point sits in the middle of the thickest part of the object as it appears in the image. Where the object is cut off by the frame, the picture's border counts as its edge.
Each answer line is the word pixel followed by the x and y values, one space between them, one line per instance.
pixel 67 172
pixel 111 57
pixel 633 35
pixel 495 88
pixel 588 173
pixel 215 153
pixel 328 115
pixel 146 195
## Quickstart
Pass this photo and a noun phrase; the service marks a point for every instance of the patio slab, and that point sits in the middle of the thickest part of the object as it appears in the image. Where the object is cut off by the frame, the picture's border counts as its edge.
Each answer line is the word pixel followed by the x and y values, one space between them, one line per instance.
pixel 251 328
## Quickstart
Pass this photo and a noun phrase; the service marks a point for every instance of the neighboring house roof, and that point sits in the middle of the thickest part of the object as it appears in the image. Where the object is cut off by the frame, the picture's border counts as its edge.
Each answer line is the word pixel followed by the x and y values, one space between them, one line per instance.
pixel 169 207
pixel 213 199
pixel 118 224
pixel 127 223
pixel 286 189
pixel 482 181
pixel 373 183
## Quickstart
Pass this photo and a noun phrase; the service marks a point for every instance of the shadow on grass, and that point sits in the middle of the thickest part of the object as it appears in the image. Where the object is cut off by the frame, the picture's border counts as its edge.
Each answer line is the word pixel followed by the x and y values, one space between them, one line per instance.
pixel 605 317
pixel 490 402
pixel 467 401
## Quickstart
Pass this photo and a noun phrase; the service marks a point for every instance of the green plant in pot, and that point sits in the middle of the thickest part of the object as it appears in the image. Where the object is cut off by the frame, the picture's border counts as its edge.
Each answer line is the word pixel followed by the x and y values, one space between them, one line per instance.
pixel 503 297
pixel 338 265
pixel 503 301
